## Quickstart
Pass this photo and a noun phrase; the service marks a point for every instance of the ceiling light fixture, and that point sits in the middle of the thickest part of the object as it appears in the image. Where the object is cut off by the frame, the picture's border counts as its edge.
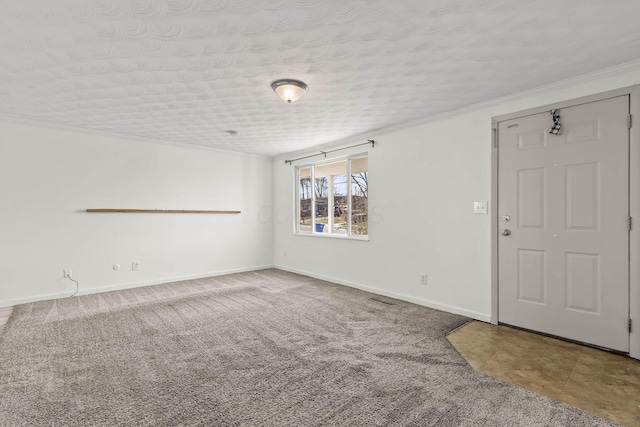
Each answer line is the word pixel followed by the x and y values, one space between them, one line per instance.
pixel 289 90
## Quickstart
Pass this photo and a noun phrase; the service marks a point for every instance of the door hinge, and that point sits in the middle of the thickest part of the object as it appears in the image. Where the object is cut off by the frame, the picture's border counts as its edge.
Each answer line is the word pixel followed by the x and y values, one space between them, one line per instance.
pixel 629 223
pixel 495 138
pixel 629 121
pixel 629 325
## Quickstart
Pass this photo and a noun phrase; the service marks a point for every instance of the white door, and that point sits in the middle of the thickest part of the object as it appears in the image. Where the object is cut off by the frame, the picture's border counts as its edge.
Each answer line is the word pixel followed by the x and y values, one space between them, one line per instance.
pixel 564 267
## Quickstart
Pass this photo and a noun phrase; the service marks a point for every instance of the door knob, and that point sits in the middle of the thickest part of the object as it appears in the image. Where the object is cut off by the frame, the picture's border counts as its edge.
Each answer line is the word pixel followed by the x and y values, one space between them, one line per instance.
pixel 506 232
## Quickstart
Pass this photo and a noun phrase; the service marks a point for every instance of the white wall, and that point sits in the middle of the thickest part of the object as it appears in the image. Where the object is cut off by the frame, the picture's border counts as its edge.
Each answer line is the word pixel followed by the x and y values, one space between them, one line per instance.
pixel 48 177
pixel 423 182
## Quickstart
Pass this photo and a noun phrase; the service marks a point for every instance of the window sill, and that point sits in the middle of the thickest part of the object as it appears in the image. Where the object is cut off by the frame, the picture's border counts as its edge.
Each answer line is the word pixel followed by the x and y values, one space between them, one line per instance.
pixel 332 236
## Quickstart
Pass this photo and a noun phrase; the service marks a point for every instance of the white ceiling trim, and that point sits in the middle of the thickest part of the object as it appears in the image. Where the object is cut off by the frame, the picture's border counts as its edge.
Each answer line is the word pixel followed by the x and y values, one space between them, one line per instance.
pixel 127 137
pixel 627 68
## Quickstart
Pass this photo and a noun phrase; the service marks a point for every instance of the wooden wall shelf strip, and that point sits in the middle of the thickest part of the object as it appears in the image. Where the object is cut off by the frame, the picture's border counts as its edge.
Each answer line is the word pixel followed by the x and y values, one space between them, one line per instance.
pixel 187 211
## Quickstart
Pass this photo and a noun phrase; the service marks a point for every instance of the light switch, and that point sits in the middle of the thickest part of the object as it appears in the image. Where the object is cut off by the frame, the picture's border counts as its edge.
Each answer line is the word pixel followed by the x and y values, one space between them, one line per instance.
pixel 480 207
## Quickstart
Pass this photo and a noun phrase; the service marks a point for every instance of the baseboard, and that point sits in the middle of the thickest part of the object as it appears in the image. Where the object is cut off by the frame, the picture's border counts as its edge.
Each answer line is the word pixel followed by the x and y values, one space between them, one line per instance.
pixel 5 313
pixel 403 297
pixel 130 285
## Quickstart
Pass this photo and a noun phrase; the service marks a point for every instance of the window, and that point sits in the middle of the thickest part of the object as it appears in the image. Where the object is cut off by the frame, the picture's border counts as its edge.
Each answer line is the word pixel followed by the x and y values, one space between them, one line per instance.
pixel 332 197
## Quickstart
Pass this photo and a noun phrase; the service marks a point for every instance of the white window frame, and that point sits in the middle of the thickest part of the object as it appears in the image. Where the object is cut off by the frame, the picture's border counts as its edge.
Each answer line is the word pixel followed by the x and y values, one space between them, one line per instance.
pixel 330 199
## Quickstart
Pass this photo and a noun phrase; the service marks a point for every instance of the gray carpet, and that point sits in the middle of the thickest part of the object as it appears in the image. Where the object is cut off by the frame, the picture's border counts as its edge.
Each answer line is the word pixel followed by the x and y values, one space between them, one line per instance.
pixel 266 348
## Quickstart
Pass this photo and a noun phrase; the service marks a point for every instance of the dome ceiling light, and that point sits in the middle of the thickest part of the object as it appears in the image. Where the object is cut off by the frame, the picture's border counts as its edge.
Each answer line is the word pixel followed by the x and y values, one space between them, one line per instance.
pixel 289 90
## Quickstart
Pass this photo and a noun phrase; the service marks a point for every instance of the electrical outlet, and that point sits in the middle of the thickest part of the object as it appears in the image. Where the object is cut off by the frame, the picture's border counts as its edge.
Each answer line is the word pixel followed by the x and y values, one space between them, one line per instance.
pixel 67 273
pixel 135 266
pixel 480 207
pixel 423 278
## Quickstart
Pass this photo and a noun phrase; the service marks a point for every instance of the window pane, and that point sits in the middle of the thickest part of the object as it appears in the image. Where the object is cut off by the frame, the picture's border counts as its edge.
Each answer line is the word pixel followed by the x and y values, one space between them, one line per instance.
pixel 359 196
pixel 321 193
pixel 304 180
pixel 331 186
pixel 340 203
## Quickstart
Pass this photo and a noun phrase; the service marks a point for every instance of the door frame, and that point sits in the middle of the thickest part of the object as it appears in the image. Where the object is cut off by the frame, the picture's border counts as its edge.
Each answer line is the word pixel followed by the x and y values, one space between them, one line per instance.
pixel 634 201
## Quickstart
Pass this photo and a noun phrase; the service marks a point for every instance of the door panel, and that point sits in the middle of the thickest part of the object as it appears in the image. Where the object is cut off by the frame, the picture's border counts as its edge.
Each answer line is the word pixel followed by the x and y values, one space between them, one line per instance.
pixel 563 269
pixel 532 277
pixel 582 191
pixel 531 198
pixel 582 287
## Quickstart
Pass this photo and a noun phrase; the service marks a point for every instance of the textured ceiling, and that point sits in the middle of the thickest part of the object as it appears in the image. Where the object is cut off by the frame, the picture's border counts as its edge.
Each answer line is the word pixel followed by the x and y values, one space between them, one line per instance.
pixel 186 71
